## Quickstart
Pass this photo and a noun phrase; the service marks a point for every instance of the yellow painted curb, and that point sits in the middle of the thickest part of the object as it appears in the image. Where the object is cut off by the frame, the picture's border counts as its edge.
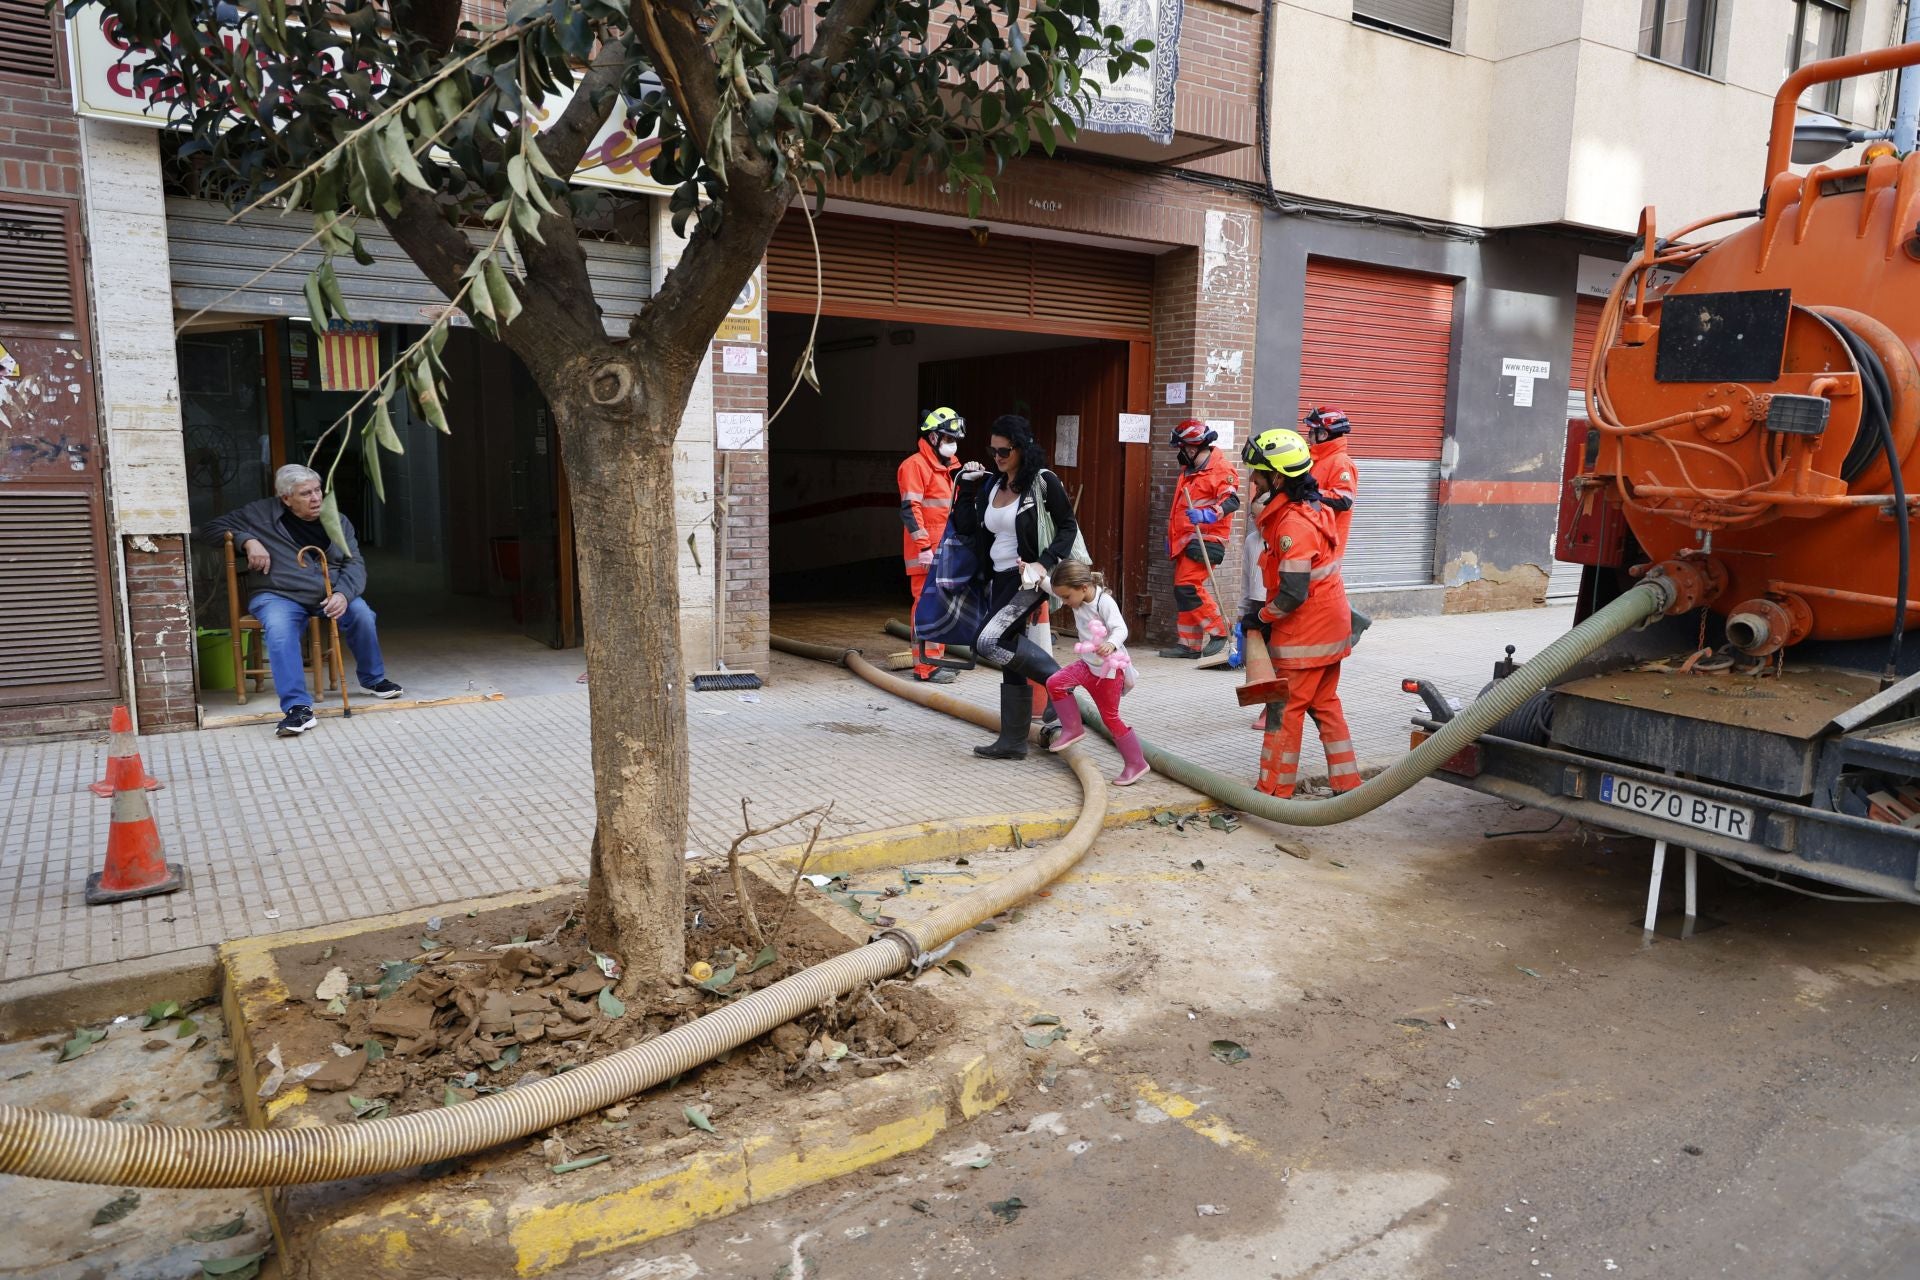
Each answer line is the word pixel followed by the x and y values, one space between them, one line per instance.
pixel 955 837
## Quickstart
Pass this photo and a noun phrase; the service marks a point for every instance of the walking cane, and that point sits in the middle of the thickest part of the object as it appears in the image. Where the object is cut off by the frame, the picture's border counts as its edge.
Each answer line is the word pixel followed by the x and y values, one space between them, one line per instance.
pixel 333 626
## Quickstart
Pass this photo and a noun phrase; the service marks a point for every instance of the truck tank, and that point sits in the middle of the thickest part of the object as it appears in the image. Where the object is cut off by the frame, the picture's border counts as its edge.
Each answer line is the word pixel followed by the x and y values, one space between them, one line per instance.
pixel 1753 445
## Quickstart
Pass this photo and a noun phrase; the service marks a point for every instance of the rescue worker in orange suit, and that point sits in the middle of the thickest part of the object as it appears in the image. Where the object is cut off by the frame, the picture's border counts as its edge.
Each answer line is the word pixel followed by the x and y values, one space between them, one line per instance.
pixel 926 503
pixel 1305 618
pixel 1326 431
pixel 1198 526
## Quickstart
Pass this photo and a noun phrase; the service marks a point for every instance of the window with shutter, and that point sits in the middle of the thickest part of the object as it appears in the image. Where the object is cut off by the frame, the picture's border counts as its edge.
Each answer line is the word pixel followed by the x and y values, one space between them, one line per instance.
pixel 37 286
pixel 27 46
pixel 53 602
pixel 1429 20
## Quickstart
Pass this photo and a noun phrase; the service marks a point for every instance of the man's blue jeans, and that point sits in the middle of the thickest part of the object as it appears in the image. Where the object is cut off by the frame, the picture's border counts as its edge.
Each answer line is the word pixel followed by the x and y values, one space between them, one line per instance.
pixel 285 621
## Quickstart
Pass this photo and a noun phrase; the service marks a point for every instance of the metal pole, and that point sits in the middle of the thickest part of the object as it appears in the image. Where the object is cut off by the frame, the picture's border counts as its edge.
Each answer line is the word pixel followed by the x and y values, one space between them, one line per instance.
pixel 1906 110
pixel 1653 887
pixel 1693 891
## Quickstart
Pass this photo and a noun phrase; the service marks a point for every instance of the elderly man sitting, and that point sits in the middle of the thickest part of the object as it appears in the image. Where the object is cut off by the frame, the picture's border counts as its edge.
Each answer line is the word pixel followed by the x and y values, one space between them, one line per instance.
pixel 283 595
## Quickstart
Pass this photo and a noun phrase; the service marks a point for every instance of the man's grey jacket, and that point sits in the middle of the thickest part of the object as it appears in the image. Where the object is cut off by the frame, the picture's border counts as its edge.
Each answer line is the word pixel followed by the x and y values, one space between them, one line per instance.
pixel 285 577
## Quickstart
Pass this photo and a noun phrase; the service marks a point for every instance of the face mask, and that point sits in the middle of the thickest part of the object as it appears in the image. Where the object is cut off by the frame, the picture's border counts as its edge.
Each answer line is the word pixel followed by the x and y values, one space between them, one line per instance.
pixel 949 447
pixel 1186 457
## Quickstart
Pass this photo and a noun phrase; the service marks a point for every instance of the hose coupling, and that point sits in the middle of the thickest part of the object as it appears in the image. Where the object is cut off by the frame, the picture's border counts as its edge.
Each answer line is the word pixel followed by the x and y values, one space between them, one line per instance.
pixel 1764 626
pixel 1686 583
pixel 917 958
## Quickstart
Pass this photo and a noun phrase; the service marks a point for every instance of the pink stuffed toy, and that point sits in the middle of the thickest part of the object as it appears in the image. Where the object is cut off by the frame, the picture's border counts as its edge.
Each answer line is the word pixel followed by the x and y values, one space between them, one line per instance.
pixel 1116 662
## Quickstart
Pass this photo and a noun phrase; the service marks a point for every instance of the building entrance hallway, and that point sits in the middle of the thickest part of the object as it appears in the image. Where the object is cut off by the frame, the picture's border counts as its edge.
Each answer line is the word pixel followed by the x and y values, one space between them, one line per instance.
pixel 463 551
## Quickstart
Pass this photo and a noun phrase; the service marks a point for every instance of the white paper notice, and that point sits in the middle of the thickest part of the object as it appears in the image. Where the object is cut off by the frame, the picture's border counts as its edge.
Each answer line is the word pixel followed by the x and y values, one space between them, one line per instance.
pixel 1066 440
pixel 1176 393
pixel 1136 428
pixel 741 359
pixel 1523 373
pixel 739 431
pixel 1223 428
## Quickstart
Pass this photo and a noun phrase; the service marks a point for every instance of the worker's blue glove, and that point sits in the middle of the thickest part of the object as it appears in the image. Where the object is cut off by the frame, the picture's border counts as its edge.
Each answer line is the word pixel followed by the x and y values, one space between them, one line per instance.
pixel 1202 515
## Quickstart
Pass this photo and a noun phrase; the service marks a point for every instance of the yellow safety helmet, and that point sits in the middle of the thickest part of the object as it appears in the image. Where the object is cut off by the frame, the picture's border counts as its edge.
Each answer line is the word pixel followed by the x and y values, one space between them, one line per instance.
pixel 1279 450
pixel 946 422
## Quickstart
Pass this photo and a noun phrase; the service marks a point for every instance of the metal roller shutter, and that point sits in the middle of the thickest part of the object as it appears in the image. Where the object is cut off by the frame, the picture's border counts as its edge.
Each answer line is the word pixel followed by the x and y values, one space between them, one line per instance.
pixel 1564 583
pixel 1431 19
pixel 53 594
pixel 1378 344
pixel 908 271
pixel 210 259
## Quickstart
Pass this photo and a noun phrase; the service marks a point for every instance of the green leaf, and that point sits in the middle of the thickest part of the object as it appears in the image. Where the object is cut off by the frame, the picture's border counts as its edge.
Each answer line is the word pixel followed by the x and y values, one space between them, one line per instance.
pixel 83 1039
pixel 504 300
pixel 330 521
pixel 508 1056
pixel 448 1098
pixel 375 1050
pixel 244 1267
pixel 766 956
pixel 117 1208
pixel 368 1108
pixel 1041 1039
pixel 162 1010
pixel 960 967
pixel 225 1231
pixel 188 1029
pixel 330 289
pixel 1531 973
pixel 316 302
pixel 399 155
pixel 720 978
pixel 697 1119
pixel 1229 1051
pixel 585 1162
pixel 612 1005
pixel 383 428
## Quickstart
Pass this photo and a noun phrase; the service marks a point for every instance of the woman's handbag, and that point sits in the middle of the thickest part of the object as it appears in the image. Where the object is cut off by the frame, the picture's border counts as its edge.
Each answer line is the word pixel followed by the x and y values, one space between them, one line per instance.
pixel 953 604
pixel 1078 551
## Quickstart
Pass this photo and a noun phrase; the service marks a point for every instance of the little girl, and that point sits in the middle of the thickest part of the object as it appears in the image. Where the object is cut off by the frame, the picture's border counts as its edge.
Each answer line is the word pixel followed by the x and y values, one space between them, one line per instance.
pixel 1104 671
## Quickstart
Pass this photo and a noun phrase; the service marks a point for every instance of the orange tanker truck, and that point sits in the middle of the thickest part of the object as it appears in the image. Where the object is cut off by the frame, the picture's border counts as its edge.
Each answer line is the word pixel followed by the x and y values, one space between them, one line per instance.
pixel 1753 447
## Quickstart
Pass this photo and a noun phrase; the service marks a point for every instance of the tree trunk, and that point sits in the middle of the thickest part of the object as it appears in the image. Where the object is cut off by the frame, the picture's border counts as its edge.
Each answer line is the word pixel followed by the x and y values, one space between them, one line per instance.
pixel 620 471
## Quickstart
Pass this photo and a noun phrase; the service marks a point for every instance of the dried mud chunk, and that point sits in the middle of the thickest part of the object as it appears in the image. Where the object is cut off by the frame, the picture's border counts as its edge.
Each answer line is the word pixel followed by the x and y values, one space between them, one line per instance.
pixel 521 1002
pixel 528 1027
pixel 521 960
pixel 570 1031
pixel 789 1040
pixel 407 1018
pixel 496 1011
pixel 903 1030
pixel 429 987
pixel 584 982
pixel 339 1073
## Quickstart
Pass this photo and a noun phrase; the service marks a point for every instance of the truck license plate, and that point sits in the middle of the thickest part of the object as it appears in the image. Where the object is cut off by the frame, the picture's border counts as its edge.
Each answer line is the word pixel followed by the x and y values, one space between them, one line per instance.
pixel 1677 806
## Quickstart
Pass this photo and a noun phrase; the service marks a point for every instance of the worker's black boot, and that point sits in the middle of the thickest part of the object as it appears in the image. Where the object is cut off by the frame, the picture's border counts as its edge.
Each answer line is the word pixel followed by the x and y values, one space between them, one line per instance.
pixel 1016 712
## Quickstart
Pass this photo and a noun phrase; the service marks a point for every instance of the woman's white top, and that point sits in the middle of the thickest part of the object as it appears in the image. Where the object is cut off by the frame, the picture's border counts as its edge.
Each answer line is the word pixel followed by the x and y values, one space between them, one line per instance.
pixel 1006 543
pixel 1103 609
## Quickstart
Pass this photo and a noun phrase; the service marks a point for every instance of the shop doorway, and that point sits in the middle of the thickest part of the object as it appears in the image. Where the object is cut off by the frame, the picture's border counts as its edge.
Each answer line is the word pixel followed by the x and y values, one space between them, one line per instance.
pixel 469 553
pixel 836 527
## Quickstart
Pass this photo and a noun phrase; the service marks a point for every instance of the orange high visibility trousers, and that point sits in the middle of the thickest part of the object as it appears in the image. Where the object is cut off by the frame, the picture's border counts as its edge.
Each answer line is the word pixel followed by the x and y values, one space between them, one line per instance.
pixel 1199 618
pixel 1311 691
pixel 917 582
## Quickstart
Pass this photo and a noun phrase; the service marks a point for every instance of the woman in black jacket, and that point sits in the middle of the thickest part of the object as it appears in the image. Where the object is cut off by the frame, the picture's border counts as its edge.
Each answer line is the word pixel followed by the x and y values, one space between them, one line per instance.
pixel 1001 516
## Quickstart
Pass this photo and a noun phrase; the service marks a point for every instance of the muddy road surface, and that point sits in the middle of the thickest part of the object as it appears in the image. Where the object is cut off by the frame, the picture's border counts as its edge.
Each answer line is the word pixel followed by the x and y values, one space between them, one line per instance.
pixel 1461 1059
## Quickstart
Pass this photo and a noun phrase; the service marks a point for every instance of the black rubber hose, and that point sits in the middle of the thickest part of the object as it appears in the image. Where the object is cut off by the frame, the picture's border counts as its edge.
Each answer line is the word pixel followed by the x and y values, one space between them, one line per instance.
pixel 1877 391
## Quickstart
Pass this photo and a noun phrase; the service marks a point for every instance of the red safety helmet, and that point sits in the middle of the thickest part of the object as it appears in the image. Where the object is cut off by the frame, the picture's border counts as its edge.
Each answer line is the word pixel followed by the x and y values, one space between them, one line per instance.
pixel 1193 434
pixel 1325 423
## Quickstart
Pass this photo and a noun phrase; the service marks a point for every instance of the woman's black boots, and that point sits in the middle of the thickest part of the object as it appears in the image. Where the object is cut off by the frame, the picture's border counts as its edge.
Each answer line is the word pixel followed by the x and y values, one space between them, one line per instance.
pixel 1016 713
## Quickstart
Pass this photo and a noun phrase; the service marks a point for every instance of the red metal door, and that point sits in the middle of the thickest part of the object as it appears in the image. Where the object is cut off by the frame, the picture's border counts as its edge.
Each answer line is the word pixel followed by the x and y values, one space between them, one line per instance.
pixel 1378 344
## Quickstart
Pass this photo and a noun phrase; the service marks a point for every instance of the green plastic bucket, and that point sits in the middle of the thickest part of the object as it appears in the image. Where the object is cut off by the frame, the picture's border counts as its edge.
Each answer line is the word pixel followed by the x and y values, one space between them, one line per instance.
pixel 216 658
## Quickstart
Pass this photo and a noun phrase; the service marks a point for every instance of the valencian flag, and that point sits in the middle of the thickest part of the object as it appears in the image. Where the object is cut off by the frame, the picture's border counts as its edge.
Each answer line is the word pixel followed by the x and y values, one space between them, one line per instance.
pixel 349 356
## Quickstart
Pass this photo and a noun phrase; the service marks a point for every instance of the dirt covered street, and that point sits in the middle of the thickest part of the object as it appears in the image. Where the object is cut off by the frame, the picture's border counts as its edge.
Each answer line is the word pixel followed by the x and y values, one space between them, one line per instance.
pixel 1459 1060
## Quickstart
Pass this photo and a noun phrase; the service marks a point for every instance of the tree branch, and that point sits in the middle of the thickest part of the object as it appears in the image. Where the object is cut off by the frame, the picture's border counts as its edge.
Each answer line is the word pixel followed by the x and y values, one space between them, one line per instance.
pixel 565 141
pixel 680 55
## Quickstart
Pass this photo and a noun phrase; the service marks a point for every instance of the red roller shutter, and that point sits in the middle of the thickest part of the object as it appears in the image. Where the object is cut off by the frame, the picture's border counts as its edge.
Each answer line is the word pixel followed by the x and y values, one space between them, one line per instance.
pixel 1586 325
pixel 1378 344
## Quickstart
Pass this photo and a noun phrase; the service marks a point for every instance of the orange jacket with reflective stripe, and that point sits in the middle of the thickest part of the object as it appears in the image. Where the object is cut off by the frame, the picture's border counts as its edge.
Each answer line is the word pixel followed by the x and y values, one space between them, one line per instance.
pixel 1334 472
pixel 1306 598
pixel 926 501
pixel 1216 485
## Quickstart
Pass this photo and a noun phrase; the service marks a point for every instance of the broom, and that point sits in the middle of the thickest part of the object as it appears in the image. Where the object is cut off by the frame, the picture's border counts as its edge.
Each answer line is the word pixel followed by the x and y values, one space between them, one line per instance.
pixel 721 678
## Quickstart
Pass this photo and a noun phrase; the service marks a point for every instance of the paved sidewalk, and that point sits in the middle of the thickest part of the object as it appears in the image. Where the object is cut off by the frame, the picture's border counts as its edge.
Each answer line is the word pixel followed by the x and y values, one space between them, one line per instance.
pixel 396 810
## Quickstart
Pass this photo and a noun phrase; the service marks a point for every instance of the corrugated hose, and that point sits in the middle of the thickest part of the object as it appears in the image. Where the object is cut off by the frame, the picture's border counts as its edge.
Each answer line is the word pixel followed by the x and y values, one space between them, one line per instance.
pixel 45 1144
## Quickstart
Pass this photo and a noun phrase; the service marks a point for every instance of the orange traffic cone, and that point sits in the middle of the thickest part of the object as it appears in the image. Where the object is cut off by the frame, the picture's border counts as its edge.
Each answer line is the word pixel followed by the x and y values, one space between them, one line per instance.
pixel 1263 686
pixel 135 868
pixel 124 766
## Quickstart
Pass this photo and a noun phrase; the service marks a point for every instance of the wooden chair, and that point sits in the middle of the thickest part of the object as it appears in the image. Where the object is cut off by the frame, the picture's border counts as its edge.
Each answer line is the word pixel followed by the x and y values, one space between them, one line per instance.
pixel 314 654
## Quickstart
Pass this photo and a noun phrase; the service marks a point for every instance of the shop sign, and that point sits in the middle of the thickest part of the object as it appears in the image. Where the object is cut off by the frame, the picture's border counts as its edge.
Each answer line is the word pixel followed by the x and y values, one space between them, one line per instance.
pixel 106 87
pixel 743 320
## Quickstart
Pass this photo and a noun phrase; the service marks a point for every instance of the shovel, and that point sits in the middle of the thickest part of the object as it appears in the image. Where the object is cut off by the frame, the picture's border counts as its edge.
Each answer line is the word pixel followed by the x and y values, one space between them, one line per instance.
pixel 1221 658
pixel 333 625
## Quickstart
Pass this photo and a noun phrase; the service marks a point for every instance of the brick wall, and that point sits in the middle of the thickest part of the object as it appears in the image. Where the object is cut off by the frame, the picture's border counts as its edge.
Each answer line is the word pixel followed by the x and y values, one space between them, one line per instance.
pixel 740 478
pixel 162 623
pixel 39 136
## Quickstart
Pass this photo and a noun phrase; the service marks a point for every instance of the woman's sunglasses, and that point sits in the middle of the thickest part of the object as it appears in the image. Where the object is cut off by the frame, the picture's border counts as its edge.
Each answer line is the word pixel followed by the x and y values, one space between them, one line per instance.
pixel 1002 452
